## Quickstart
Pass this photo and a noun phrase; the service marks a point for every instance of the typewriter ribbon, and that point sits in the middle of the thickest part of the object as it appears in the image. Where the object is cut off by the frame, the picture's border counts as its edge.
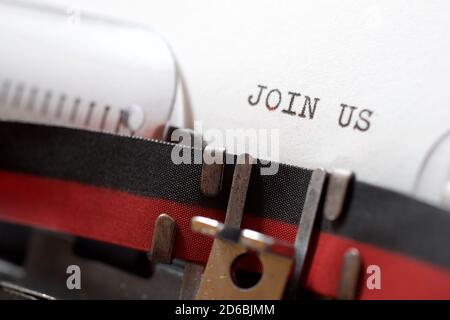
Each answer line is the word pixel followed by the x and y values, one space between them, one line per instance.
pixel 113 188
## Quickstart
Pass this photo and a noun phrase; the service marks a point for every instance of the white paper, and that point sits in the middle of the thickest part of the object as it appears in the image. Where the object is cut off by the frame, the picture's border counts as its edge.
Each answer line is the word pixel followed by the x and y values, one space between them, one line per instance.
pixel 390 57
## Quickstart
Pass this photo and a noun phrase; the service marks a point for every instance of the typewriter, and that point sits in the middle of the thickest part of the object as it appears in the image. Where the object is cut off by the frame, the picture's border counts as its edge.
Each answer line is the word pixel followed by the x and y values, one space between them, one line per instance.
pixel 224 150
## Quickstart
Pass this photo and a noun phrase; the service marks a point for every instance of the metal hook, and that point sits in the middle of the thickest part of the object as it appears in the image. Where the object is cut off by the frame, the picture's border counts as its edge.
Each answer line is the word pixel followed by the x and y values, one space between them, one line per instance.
pixel 305 228
pixel 350 271
pixel 338 185
pixel 163 240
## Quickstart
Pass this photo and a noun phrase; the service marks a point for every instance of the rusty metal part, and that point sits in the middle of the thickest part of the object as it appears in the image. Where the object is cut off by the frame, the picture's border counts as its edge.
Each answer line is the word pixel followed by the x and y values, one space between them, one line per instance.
pixel 238 193
pixel 350 273
pixel 212 171
pixel 191 280
pixel 305 228
pixel 163 240
pixel 217 282
pixel 230 243
pixel 338 186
